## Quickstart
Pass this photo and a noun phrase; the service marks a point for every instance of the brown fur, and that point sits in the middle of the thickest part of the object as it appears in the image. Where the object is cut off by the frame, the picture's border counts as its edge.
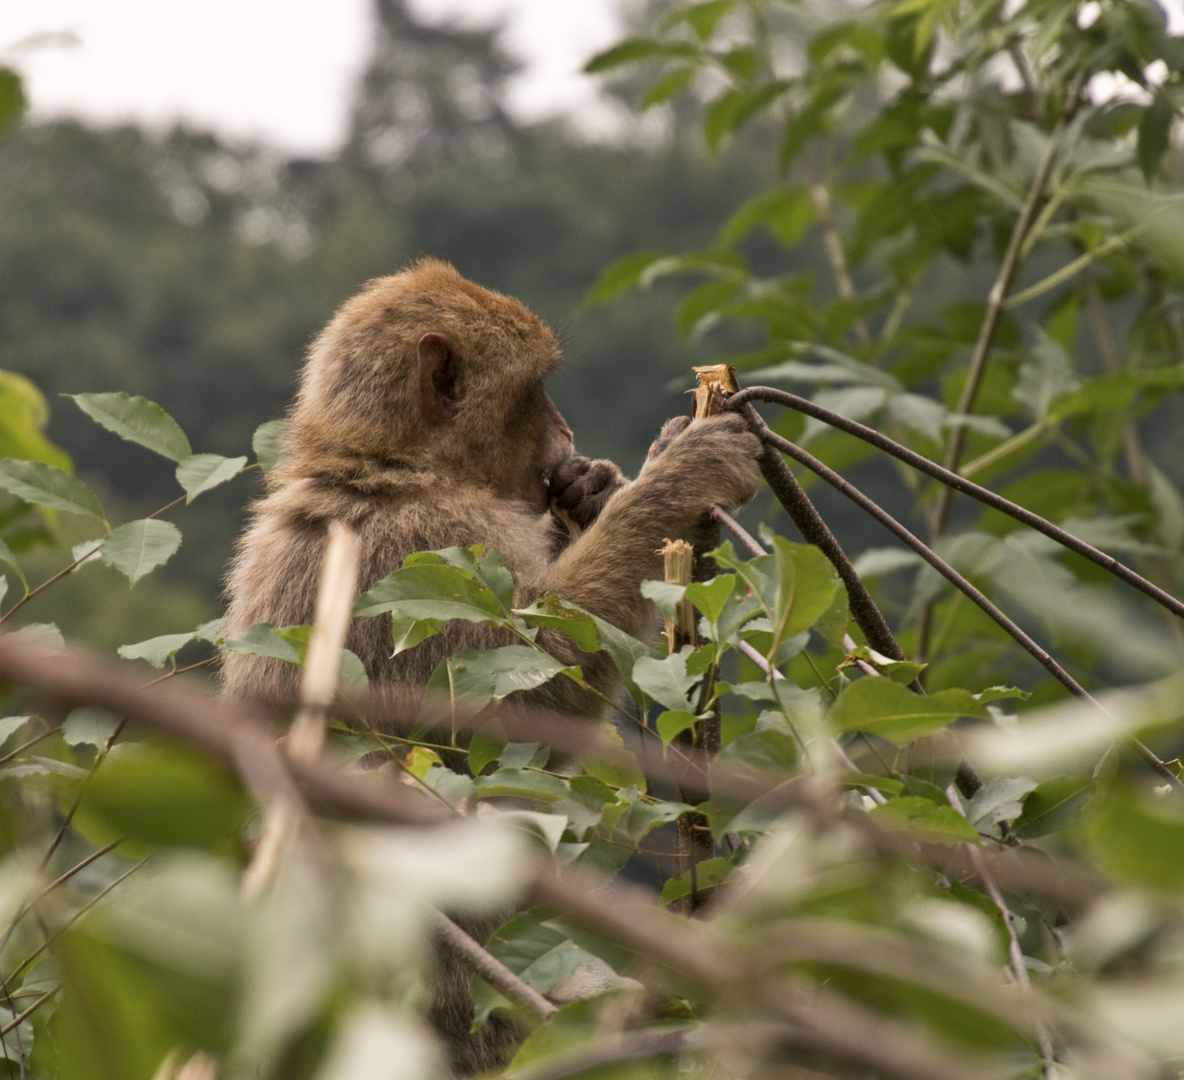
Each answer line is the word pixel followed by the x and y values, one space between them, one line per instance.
pixel 421 423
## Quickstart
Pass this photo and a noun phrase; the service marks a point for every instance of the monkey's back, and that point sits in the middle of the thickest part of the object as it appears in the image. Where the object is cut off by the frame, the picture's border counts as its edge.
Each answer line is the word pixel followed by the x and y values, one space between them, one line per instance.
pixel 276 572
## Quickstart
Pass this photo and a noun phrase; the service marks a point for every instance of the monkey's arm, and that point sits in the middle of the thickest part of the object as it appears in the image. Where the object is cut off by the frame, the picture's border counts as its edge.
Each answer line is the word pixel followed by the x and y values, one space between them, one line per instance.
pixel 710 461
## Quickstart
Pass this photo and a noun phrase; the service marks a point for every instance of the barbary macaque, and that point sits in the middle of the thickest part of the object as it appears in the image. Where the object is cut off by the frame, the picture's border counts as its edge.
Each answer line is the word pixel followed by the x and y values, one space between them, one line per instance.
pixel 422 423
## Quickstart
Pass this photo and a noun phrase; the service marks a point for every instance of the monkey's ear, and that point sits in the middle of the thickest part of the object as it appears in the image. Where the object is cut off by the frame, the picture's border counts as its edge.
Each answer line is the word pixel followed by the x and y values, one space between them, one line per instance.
pixel 439 379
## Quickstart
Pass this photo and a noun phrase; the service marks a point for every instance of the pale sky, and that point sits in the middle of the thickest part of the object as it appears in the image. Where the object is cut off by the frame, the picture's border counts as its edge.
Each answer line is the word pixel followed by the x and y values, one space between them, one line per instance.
pixel 256 69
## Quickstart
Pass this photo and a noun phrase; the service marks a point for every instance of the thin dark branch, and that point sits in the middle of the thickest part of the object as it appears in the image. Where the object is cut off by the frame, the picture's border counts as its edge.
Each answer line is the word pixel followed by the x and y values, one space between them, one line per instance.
pixel 960 484
pixel 815 531
pixel 1040 654
pixel 746 538
pixel 492 970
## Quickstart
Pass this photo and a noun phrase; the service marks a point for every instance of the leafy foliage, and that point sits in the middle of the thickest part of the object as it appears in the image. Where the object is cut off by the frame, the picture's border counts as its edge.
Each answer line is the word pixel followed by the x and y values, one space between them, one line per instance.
pixel 982 880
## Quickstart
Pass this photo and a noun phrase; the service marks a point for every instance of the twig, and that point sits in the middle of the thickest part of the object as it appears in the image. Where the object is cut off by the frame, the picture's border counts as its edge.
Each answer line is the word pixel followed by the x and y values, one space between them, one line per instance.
pixel 17 1020
pixel 492 970
pixel 815 531
pixel 73 919
pixel 746 539
pixel 1019 966
pixel 961 484
pixel 997 297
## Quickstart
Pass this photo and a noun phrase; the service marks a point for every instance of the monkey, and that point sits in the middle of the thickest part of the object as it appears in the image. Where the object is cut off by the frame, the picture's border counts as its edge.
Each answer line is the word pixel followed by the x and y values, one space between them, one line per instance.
pixel 421 422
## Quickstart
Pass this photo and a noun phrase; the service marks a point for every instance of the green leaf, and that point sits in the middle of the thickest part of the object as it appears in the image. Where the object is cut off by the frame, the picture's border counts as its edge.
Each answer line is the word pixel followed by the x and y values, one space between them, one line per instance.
pixel 158 651
pixel 478 678
pixel 707 874
pixel 485 746
pixel 200 472
pixel 407 632
pixel 432 591
pixel 641 817
pixel 1045 375
pixel 787 211
pixel 23 417
pixel 158 794
pixel 137 420
pixel 806 585
pixel 264 640
pixel 551 612
pixel 666 680
pixel 923 821
pixel 621 276
pixel 521 783
pixel 674 722
pixel 637 50
pixel 701 17
pixel 665 595
pixel 1139 842
pixel 885 708
pixel 538 953
pixel 1051 805
pixel 669 85
pixel 140 546
pixel 710 597
pixel 44 485
pixel 266 444
pixel 89 726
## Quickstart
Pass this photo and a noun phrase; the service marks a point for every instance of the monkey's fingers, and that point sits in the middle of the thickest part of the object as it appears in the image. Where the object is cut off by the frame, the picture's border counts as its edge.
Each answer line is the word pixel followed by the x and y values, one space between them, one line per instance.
pixel 671 430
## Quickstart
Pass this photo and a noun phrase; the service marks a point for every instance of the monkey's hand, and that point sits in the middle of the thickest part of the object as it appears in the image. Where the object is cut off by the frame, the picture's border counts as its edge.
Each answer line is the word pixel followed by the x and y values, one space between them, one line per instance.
pixel 706 461
pixel 581 487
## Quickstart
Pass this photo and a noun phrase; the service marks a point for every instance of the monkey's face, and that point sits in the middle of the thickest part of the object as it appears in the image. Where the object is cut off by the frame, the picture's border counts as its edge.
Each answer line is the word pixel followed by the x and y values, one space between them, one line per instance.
pixel 540 429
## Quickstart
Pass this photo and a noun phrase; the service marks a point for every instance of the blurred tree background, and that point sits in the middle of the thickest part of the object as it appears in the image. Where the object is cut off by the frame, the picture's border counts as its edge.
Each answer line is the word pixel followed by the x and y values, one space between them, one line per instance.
pixel 195 272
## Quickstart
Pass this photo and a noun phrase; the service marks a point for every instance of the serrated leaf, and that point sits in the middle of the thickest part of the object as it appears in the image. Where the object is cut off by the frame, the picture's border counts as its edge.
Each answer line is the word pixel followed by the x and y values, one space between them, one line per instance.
pixel 892 711
pixel 266 444
pixel 200 472
pixel 45 485
pixel 137 420
pixel 138 547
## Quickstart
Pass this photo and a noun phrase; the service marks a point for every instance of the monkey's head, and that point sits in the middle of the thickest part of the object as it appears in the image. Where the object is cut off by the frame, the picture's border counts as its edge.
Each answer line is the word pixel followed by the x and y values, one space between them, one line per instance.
pixel 427 371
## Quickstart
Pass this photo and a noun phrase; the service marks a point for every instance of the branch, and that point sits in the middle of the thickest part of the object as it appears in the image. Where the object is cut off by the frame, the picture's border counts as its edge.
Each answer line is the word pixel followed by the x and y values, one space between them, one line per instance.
pixel 1040 654
pixel 489 967
pixel 961 484
pixel 238 735
pixel 815 531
